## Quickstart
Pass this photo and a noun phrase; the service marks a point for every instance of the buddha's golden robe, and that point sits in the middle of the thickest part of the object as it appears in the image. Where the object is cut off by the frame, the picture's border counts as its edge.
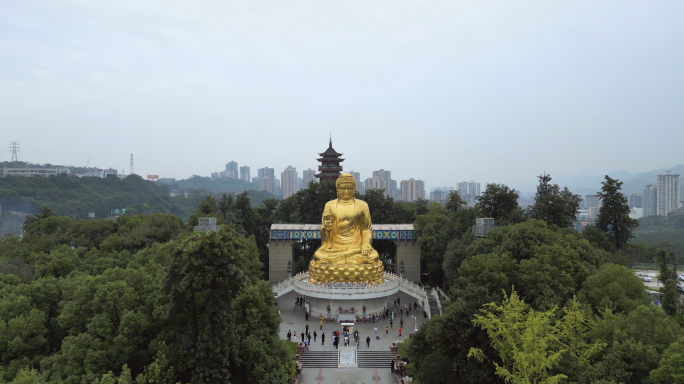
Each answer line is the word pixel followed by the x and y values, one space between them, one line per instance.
pixel 348 227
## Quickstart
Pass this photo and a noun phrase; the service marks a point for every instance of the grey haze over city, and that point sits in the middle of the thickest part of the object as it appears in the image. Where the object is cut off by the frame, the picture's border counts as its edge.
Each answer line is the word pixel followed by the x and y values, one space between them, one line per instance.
pixel 442 91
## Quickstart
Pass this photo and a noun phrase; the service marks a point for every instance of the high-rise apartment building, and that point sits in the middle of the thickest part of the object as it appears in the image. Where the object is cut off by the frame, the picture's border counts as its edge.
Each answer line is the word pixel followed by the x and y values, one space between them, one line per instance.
pixel 267 184
pixel 270 184
pixel 381 180
pixel 591 201
pixel 359 184
pixel 412 190
pixel 214 175
pixel 439 195
pixel 469 190
pixel 232 170
pixel 395 193
pixel 668 193
pixel 635 201
pixel 376 183
pixel 650 200
pixel 288 179
pixel 266 172
pixel 244 173
pixel 308 176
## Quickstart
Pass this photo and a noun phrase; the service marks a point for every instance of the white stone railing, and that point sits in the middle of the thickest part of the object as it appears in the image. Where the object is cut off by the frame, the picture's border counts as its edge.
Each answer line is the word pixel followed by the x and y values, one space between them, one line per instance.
pixel 442 293
pixel 390 285
pixel 286 285
pixel 435 294
pixel 303 285
pixel 416 291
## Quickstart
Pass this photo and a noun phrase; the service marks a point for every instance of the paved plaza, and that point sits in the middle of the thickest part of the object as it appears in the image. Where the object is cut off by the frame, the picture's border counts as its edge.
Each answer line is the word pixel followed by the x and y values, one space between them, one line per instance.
pixel 293 320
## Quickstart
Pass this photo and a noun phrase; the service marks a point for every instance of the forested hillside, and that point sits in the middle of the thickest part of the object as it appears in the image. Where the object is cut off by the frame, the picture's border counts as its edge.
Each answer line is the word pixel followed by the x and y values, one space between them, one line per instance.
pixel 75 197
pixel 137 299
pixel 538 302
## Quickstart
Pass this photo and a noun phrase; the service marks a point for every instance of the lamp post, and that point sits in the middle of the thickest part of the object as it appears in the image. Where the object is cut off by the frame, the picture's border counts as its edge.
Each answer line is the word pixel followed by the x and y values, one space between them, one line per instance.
pixel 289 269
pixel 401 269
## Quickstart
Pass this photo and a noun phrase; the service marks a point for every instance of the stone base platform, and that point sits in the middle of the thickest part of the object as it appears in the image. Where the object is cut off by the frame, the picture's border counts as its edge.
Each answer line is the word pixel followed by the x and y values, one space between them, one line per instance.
pixel 325 272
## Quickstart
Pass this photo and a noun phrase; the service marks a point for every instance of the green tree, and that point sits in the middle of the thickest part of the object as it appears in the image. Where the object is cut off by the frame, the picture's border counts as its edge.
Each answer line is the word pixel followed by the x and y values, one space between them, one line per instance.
pixel 556 207
pixel 614 287
pixel 500 203
pixel 613 219
pixel 637 342
pixel 528 342
pixel 452 335
pixel 207 272
pixel 671 367
pixel 454 201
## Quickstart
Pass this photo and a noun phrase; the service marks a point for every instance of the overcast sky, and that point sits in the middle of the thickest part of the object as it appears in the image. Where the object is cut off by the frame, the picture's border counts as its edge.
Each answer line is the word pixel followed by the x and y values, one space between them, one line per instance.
pixel 495 91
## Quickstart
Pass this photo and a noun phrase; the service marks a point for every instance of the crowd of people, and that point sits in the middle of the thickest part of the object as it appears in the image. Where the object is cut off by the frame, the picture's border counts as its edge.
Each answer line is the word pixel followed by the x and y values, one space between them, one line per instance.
pixel 344 336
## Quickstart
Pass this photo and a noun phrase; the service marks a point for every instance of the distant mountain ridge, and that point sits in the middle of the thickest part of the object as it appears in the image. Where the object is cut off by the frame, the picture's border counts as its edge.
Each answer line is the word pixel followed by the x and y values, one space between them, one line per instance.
pixel 589 183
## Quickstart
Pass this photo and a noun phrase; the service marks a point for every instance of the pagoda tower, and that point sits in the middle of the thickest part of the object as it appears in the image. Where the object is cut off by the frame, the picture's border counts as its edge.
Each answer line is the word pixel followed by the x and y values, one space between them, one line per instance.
pixel 330 167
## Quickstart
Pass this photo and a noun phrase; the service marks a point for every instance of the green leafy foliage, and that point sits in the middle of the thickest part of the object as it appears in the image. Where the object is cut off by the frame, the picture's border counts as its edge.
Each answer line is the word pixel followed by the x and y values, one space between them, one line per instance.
pixel 111 301
pixel 613 219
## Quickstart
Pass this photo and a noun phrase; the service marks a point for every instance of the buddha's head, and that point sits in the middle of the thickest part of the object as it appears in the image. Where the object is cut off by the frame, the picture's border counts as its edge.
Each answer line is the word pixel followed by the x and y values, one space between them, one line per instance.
pixel 346 185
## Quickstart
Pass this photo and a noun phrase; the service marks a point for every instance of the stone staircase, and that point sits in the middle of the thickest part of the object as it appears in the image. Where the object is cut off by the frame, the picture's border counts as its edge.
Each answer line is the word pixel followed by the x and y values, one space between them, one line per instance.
pixel 375 359
pixel 319 359
pixel 434 308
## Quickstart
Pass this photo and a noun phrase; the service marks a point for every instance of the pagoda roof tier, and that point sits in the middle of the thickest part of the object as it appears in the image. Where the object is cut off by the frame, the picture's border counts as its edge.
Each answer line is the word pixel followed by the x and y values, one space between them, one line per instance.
pixel 329 160
pixel 330 152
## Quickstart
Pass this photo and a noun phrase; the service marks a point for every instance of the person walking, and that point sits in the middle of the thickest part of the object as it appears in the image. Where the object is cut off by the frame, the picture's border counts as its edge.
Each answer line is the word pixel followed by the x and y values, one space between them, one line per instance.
pixel 401 310
pixel 322 338
pixel 314 335
pixel 306 344
pixel 395 303
pixel 309 337
pixel 415 305
pixel 320 323
pixel 307 328
pixel 392 366
pixel 376 331
pixel 296 301
pixel 399 301
pixel 391 322
pixel 401 321
pixel 367 341
pixel 294 337
pixel 289 335
pixel 399 331
pixel 302 336
pixel 386 329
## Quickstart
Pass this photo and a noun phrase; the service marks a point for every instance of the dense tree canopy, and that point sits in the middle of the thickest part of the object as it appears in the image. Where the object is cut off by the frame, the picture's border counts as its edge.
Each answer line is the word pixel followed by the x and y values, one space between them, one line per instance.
pixel 613 218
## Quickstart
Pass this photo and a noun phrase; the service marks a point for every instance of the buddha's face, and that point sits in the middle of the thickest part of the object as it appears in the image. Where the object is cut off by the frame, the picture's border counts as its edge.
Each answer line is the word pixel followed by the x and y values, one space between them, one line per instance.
pixel 346 191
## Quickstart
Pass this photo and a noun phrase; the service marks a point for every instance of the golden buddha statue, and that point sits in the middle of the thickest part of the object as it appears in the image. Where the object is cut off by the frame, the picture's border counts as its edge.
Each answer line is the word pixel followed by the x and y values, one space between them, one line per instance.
pixel 346 254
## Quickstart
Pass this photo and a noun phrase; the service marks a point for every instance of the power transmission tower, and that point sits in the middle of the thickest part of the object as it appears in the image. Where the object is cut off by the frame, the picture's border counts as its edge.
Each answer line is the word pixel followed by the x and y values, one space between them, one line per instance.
pixel 14 148
pixel 130 173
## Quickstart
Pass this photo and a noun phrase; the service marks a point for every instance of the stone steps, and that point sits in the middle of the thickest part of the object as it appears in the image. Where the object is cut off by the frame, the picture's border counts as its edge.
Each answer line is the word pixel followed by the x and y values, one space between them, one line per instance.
pixel 319 359
pixel 375 359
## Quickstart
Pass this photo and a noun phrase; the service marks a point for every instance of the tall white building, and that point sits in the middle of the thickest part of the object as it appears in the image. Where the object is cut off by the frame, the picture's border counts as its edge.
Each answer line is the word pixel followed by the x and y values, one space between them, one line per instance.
pixel 359 184
pixel 232 170
pixel 650 200
pixel 267 180
pixel 381 180
pixel 308 176
pixel 412 190
pixel 288 180
pixel 469 190
pixel 244 173
pixel 377 183
pixel 668 193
